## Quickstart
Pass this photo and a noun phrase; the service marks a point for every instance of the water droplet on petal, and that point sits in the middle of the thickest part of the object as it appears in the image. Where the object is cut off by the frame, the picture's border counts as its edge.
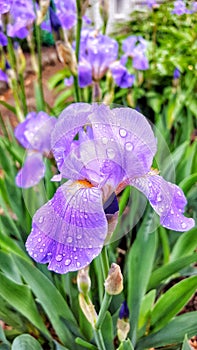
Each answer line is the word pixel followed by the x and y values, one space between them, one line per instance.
pixel 183 225
pixel 79 236
pixel 85 216
pixel 159 197
pixel 78 264
pixel 172 211
pixel 39 239
pixel 128 146
pixel 41 250
pixel 179 193
pixel 105 140
pixel 110 153
pixel 67 262
pixel 69 239
pixel 123 132
pixel 59 257
pixel 41 219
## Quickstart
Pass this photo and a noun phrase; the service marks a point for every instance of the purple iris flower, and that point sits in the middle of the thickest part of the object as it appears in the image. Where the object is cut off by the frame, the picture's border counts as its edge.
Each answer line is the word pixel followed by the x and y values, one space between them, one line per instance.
pixel 5 6
pixel 121 75
pixel 177 73
pixel 66 12
pixel 97 52
pixel 100 151
pixel 179 8
pixel 34 135
pixel 22 17
pixel 193 7
pixel 135 47
pixel 3 76
pixel 3 39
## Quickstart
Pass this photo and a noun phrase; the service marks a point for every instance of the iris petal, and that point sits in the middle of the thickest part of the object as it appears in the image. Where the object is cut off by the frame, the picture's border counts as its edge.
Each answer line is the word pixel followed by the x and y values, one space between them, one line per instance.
pixel 32 171
pixel 69 230
pixel 167 200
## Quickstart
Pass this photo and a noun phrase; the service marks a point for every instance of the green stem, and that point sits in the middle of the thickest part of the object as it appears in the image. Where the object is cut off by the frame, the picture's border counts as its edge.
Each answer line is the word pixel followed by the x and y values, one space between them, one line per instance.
pixel 22 94
pixel 104 262
pixel 77 90
pixel 39 49
pixel 99 339
pixel 77 51
pixel 104 307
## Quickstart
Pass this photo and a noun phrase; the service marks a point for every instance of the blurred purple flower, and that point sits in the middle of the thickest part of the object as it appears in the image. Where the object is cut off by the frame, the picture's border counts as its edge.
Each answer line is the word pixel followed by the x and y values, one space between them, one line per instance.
pixel 3 76
pixel 193 7
pixel 97 51
pixel 121 75
pixel 22 17
pixel 176 74
pixel 135 47
pixel 3 39
pixel 66 12
pixel 34 134
pixel 5 6
pixel 179 8
pixel 151 3
pixel 85 73
pixel 69 81
pixel 113 148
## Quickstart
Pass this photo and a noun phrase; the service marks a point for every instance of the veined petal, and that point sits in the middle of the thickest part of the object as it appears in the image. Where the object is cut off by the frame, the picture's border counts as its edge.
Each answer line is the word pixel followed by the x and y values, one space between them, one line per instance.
pixel 167 200
pixel 70 229
pixel 32 171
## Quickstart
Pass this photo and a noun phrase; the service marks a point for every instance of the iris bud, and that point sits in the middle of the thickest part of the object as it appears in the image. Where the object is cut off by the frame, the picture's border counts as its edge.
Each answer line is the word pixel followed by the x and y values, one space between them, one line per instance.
pixel 114 281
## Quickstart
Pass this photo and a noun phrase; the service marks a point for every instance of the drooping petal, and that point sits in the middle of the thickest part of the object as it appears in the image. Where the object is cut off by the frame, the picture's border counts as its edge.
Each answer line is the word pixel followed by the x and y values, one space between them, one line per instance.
pixel 69 230
pixel 167 200
pixel 85 73
pixel 32 171
pixel 121 75
pixel 35 132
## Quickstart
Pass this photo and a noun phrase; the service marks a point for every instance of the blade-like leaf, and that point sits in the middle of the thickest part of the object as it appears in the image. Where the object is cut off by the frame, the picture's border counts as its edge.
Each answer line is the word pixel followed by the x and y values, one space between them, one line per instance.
pixel 24 342
pixel 171 302
pixel 185 245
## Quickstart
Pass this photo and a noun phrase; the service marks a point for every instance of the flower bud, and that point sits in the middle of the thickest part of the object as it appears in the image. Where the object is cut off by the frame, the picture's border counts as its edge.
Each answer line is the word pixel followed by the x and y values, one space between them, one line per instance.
pixel 123 326
pixel 84 5
pixel 83 281
pixel 41 13
pixel 114 281
pixel 88 309
pixel 66 56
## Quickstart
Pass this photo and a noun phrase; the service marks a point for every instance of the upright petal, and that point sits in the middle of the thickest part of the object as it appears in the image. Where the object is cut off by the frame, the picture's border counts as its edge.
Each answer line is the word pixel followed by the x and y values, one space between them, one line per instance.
pixel 32 171
pixel 167 200
pixel 69 230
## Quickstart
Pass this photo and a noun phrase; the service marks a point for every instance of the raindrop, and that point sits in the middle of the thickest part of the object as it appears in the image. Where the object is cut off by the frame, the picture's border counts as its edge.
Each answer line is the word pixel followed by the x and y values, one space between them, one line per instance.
pixel 59 257
pixel 35 255
pixel 41 250
pixel 85 199
pixel 67 262
pixel 159 197
pixel 110 153
pixel 123 133
pixel 79 236
pixel 172 211
pixel 161 210
pixel 41 219
pixel 75 257
pixel 39 239
pixel 179 193
pixel 183 225
pixel 85 216
pixel 69 239
pixel 78 264
pixel 128 146
pixel 105 140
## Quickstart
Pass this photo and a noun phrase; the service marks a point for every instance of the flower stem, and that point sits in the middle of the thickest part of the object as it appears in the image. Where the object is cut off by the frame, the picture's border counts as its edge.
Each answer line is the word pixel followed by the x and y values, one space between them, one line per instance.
pixel 99 339
pixel 104 307
pixel 39 44
pixel 77 51
pixel 104 262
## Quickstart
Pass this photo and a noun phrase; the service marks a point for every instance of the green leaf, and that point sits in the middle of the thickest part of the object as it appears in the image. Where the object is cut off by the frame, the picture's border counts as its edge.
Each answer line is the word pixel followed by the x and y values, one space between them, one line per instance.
pixel 171 302
pixel 8 106
pixel 107 331
pixel 126 345
pixel 85 344
pixel 3 337
pixel 146 307
pixel 162 273
pixel 140 262
pixel 185 244
pixel 24 342
pixel 57 78
pixel 172 333
pixel 50 298
pixel 186 345
pixel 188 182
pixel 20 297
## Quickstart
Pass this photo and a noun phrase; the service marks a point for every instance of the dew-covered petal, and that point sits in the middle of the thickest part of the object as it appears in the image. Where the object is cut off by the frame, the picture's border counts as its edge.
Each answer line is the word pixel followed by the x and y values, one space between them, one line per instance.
pixel 32 171
pixel 167 200
pixel 35 132
pixel 125 137
pixel 72 227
